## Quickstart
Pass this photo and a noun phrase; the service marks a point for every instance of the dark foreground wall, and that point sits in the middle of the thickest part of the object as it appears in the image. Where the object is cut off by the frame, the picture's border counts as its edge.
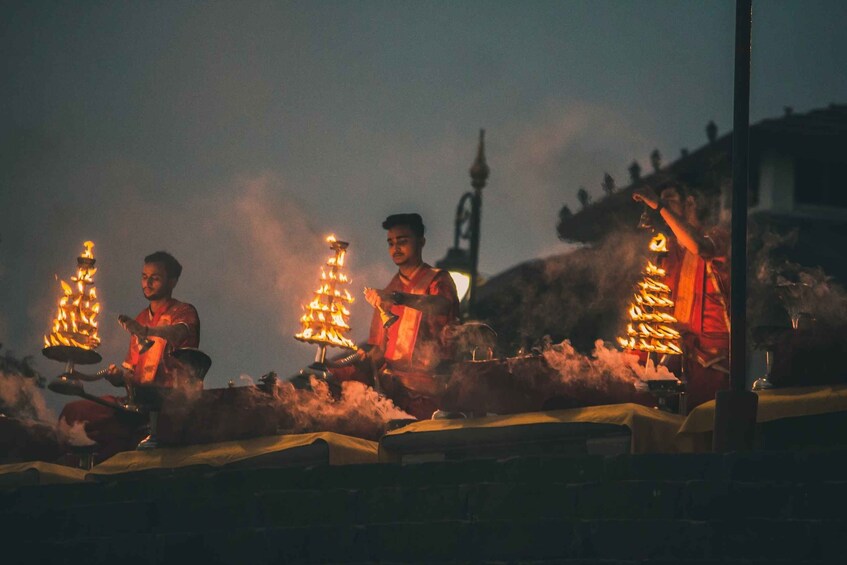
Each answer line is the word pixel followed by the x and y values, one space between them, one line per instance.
pixel 739 508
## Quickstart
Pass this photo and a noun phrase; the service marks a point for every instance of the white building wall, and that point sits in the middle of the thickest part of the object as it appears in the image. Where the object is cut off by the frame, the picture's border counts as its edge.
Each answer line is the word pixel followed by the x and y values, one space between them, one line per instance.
pixel 776 182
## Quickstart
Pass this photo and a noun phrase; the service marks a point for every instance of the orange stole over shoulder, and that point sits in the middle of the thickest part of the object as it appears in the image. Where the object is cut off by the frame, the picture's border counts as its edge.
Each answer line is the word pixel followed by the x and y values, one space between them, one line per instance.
pixel 688 284
pixel 699 303
pixel 403 335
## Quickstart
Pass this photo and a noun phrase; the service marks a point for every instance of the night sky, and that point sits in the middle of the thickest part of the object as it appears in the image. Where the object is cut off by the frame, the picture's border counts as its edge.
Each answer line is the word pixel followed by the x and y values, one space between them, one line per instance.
pixel 237 135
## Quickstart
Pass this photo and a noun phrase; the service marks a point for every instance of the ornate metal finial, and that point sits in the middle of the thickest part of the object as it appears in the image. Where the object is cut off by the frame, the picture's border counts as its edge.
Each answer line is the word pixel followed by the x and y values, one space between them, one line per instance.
pixel 479 170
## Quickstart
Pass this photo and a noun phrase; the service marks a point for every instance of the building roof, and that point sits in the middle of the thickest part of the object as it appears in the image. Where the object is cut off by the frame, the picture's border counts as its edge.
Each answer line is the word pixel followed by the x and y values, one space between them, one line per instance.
pixel 827 122
pixel 820 133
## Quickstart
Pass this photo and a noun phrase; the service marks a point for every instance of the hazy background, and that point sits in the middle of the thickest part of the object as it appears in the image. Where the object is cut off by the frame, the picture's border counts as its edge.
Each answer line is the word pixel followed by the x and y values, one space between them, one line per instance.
pixel 237 135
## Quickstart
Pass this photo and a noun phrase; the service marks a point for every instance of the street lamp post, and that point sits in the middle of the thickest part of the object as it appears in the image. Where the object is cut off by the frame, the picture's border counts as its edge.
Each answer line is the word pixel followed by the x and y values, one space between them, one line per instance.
pixel 463 263
pixel 479 175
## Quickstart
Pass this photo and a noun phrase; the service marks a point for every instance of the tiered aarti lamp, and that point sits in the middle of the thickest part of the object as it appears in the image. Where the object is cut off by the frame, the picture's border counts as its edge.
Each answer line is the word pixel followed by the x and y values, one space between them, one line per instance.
pixel 651 324
pixel 74 338
pixel 651 328
pixel 325 321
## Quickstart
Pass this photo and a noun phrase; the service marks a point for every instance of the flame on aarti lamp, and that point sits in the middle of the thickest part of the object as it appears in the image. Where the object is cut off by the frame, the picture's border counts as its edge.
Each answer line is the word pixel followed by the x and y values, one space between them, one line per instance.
pixel 659 243
pixel 654 270
pixel 75 323
pixel 650 328
pixel 324 321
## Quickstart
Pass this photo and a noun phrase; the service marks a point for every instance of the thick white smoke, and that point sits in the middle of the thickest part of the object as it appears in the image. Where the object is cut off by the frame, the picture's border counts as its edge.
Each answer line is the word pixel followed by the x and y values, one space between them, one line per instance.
pixel 357 411
pixel 21 398
pixel 73 434
pixel 559 377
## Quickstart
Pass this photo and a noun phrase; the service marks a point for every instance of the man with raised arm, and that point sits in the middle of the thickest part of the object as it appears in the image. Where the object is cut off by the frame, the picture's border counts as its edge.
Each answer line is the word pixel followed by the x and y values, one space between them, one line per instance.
pixel 697 271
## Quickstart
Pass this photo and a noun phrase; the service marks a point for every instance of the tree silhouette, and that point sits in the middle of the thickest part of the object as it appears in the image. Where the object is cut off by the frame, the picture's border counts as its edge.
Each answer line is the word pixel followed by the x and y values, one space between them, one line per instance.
pixel 656 160
pixel 608 183
pixel 635 171
pixel 583 197
pixel 565 216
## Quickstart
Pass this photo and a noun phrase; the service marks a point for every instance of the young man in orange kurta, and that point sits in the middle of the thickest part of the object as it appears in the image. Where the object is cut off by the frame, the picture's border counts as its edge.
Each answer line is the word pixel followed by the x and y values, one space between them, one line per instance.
pixel 406 354
pixel 166 324
pixel 697 271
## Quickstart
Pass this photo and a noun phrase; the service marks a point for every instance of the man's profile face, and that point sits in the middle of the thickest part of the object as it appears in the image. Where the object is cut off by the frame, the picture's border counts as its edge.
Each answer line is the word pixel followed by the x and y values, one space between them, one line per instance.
pixel 155 282
pixel 404 246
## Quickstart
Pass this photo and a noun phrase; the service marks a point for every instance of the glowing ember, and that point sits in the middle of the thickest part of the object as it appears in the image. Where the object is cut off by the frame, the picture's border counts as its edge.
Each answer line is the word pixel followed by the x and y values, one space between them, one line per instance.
pixel 325 320
pixel 75 323
pixel 651 328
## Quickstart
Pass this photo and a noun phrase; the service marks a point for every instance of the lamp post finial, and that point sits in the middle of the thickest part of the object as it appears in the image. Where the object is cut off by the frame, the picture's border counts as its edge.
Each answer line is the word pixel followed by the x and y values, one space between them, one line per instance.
pixel 479 170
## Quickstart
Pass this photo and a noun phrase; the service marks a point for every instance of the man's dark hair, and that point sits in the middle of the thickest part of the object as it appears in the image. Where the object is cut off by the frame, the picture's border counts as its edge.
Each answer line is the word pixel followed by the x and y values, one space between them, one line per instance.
pixel 412 221
pixel 680 187
pixel 172 266
pixel 702 205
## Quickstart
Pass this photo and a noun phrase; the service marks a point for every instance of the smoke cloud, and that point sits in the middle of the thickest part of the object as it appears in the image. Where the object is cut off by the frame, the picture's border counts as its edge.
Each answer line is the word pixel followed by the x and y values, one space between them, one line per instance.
pixel 277 407
pixel 605 366
pixel 73 434
pixel 27 426
pixel 357 411
pixel 21 398
pixel 784 291
pixel 558 376
pixel 580 296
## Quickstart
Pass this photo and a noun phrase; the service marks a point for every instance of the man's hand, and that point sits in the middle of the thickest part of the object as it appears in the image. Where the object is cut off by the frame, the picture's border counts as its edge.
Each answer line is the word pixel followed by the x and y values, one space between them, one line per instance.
pixel 115 375
pixel 132 326
pixel 645 194
pixel 379 299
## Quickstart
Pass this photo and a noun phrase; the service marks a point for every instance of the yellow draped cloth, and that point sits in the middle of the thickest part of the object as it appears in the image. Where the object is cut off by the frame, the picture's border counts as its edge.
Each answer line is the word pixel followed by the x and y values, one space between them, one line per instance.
pixel 695 434
pixel 40 473
pixel 343 450
pixel 653 430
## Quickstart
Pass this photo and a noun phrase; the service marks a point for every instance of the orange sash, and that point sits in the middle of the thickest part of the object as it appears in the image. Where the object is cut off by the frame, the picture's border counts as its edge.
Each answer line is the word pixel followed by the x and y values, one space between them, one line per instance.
pixel 403 347
pixel 686 288
pixel 147 364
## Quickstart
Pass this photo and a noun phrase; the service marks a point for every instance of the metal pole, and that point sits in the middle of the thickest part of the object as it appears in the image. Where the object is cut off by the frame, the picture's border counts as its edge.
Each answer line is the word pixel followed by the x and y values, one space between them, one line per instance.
pixel 740 179
pixel 479 174
pixel 476 208
pixel 735 409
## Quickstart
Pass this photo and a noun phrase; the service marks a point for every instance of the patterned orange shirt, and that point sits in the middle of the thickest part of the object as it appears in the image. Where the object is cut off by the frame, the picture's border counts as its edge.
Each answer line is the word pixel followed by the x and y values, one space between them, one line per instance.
pixel 155 366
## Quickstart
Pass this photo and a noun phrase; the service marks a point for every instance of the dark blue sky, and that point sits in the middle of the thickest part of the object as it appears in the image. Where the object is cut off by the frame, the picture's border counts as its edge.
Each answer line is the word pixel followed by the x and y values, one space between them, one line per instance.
pixel 237 135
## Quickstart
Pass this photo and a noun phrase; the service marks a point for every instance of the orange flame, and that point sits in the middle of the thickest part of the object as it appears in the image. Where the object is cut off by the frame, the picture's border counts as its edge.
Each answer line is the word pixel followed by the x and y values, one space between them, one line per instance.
pixel 325 319
pixel 89 250
pixel 75 323
pixel 650 328
pixel 652 285
pixel 653 270
pixel 659 244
